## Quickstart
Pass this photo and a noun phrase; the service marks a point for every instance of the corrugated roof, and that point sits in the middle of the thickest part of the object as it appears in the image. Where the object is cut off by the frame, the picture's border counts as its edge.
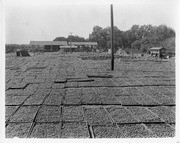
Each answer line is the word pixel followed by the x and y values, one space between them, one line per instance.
pixel 68 47
pixel 156 48
pixel 42 43
pixel 84 43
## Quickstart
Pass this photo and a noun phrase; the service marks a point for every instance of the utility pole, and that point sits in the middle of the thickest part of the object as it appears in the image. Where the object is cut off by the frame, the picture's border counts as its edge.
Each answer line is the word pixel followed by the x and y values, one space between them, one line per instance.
pixel 112 39
pixel 122 47
pixel 132 51
pixel 70 42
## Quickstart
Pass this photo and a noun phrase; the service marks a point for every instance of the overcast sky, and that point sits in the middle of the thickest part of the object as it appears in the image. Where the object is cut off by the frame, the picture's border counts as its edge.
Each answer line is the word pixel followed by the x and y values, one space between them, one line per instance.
pixel 47 19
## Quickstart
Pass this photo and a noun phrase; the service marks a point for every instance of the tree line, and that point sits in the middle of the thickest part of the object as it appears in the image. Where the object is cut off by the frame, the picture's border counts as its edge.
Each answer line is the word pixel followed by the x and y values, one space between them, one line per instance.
pixel 137 38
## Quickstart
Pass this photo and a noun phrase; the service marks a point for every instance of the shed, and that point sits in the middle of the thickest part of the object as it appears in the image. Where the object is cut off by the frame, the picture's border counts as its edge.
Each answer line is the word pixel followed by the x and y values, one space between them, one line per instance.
pixel 49 45
pixel 68 48
pixel 158 52
pixel 85 46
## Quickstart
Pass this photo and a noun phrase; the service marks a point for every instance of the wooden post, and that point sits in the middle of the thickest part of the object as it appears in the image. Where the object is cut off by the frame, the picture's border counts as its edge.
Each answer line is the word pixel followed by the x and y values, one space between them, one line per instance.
pixel 112 39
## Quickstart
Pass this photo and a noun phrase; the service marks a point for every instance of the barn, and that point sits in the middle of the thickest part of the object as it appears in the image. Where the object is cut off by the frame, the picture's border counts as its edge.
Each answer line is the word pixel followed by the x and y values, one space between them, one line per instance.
pixel 49 46
pixel 53 46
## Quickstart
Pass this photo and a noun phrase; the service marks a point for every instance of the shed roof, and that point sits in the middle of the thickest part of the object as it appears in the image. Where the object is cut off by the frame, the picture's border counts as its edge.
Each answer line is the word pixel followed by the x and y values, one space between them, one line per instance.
pixel 157 48
pixel 68 47
pixel 42 43
pixel 84 43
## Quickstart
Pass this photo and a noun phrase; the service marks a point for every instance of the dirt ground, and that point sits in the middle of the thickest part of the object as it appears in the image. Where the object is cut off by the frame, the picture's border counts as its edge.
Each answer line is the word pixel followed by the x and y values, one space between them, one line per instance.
pixel 50 95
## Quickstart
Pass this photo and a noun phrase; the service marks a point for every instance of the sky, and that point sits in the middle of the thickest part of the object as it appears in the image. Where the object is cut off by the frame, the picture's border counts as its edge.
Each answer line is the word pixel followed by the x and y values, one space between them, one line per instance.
pixel 44 20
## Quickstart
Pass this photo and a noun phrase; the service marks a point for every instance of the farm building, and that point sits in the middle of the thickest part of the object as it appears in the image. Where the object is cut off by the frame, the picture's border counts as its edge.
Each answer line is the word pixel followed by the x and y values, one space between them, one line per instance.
pixel 158 52
pixel 49 45
pixel 68 48
pixel 71 46
pixel 85 46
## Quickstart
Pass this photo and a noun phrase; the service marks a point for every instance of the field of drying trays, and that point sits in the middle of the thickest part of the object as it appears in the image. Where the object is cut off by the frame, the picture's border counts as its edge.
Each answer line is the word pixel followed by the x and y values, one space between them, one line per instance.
pixel 50 95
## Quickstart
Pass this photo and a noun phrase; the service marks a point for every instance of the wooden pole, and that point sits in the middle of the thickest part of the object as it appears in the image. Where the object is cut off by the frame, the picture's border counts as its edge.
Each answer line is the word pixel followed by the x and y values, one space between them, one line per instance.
pixel 112 39
pixel 70 43
pixel 131 51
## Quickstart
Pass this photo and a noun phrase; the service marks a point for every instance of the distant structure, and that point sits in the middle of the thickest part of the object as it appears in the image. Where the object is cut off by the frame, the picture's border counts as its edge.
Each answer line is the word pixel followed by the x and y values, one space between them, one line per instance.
pixel 158 52
pixel 53 46
pixel 85 46
pixel 121 52
pixel 22 53
pixel 68 48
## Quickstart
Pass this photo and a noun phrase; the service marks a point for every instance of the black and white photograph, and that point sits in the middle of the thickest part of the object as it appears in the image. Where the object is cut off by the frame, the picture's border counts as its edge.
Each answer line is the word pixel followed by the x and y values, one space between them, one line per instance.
pixel 90 70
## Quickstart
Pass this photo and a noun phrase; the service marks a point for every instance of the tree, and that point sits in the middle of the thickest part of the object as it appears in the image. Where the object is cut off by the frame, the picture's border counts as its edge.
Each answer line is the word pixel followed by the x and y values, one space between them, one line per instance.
pixel 169 44
pixel 60 39
pixel 96 36
pixel 103 37
pixel 128 38
pixel 72 38
pixel 136 45
pixel 75 38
